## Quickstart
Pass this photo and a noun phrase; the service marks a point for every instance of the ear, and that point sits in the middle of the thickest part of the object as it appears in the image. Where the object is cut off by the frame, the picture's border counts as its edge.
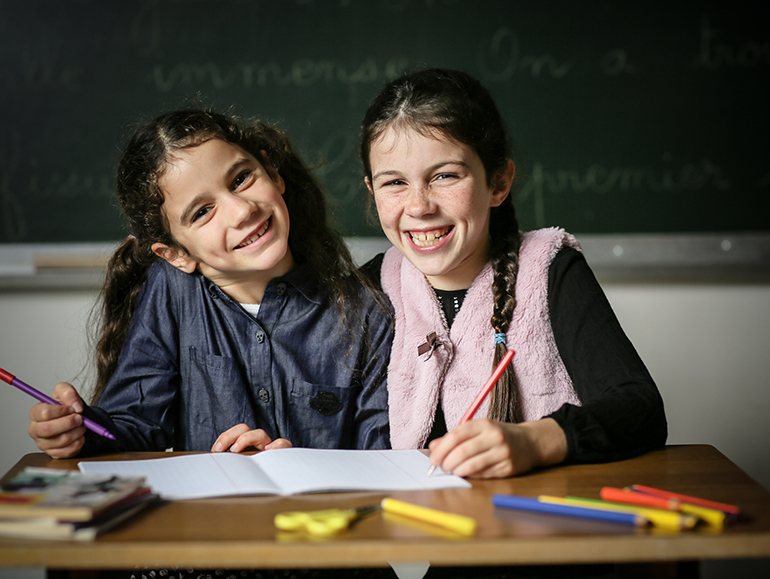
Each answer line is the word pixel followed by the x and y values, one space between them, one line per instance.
pixel 178 259
pixel 277 179
pixel 502 184
pixel 369 185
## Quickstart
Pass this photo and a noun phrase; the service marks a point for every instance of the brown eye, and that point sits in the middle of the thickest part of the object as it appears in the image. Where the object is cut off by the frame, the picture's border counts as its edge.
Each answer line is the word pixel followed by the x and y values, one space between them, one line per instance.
pixel 200 213
pixel 241 178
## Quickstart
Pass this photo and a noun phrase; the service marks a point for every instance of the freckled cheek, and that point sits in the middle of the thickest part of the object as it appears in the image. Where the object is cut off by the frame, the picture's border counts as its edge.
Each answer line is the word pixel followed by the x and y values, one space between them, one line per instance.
pixel 388 211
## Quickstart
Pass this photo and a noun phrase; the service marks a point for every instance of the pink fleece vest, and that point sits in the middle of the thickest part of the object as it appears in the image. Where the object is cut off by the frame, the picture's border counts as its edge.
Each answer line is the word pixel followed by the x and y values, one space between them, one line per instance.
pixel 456 369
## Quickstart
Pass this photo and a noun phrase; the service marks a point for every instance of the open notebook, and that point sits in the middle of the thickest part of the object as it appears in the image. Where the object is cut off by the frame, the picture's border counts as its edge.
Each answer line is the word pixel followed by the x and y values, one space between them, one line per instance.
pixel 284 471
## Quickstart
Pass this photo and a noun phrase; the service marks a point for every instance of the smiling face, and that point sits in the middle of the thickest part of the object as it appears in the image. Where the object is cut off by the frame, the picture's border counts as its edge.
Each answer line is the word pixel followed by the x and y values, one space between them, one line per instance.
pixel 433 201
pixel 227 211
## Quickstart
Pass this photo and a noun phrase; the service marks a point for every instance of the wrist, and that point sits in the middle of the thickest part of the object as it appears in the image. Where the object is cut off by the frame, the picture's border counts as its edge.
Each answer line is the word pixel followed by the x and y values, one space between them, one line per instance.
pixel 547 440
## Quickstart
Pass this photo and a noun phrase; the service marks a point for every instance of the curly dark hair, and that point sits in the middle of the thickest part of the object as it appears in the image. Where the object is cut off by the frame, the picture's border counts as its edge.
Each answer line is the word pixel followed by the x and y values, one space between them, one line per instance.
pixel 144 160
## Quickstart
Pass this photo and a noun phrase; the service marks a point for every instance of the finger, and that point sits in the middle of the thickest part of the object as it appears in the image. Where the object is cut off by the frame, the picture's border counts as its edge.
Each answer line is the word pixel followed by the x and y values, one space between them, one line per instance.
pixel 42 412
pixel 483 445
pixel 59 444
pixel 66 394
pixel 49 420
pixel 441 447
pixel 228 437
pixel 68 451
pixel 484 462
pixel 252 439
pixel 279 443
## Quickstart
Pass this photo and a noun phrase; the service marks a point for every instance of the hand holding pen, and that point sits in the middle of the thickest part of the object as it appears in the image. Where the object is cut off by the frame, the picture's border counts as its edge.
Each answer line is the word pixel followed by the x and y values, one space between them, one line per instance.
pixel 57 427
pixel 439 450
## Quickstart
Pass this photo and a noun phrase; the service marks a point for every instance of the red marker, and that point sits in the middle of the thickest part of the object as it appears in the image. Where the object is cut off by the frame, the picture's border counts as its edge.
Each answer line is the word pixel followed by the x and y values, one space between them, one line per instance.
pixel 484 392
pixel 725 508
pixel 14 381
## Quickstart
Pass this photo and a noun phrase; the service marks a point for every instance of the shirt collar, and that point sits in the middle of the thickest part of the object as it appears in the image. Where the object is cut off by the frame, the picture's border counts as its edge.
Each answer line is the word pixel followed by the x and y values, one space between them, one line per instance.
pixel 302 278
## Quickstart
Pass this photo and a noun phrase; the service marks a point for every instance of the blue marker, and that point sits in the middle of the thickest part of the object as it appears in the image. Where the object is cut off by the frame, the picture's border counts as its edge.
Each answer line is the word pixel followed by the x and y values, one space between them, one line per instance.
pixel 534 505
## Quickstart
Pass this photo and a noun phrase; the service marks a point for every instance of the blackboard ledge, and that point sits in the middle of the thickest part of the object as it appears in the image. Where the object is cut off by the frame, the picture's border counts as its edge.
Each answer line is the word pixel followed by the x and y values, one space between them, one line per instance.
pixel 682 257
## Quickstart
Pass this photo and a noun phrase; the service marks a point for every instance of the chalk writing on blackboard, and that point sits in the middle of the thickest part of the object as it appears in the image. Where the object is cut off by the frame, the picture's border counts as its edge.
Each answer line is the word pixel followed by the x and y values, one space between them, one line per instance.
pixel 501 57
pixel 301 73
pixel 716 53
pixel 543 182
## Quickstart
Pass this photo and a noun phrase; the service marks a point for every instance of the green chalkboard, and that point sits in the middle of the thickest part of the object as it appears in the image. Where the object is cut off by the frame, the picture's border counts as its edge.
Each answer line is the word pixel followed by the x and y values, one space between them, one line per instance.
pixel 627 117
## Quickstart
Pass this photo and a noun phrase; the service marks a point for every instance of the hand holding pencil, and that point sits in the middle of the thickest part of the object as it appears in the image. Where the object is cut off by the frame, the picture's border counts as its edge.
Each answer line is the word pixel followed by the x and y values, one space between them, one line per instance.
pixel 483 448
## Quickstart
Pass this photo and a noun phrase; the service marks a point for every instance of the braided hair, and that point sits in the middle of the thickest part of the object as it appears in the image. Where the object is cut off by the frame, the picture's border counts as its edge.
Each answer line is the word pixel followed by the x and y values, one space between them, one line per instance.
pixel 454 104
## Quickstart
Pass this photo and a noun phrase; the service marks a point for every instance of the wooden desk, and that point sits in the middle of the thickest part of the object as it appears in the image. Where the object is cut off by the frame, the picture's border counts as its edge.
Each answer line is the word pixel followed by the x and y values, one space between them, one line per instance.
pixel 238 532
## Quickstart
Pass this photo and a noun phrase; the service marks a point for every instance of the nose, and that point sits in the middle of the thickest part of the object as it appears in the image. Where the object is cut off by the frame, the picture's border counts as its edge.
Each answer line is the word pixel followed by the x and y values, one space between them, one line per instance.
pixel 240 209
pixel 419 202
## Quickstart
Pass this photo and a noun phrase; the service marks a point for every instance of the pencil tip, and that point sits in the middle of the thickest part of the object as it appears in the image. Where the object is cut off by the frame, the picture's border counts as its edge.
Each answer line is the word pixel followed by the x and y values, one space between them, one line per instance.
pixel 431 469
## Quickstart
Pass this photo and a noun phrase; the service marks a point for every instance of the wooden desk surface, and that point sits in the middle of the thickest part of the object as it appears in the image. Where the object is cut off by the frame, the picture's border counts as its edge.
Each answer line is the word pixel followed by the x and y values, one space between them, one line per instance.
pixel 238 532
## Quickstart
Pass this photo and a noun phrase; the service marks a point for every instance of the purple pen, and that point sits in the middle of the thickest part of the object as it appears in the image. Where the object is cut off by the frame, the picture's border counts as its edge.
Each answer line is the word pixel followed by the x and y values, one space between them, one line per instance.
pixel 14 381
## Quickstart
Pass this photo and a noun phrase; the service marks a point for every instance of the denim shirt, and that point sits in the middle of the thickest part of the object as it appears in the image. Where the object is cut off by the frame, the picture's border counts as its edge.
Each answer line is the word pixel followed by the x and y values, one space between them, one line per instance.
pixel 195 363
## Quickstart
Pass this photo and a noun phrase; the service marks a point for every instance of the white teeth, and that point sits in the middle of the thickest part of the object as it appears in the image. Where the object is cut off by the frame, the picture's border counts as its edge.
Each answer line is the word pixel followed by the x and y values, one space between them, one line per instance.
pixel 424 239
pixel 259 234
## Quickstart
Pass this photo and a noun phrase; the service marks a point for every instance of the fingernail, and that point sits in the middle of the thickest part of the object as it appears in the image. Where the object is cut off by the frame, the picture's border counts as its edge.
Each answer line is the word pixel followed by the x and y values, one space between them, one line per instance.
pixel 77 407
pixel 217 447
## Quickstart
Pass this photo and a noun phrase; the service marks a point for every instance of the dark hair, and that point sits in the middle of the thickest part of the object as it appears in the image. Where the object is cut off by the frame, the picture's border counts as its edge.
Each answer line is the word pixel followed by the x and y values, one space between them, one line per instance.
pixel 144 161
pixel 454 104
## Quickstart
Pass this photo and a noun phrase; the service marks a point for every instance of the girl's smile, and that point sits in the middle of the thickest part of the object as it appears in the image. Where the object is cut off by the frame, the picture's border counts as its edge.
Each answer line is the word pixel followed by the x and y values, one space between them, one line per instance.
pixel 433 200
pixel 255 235
pixel 431 239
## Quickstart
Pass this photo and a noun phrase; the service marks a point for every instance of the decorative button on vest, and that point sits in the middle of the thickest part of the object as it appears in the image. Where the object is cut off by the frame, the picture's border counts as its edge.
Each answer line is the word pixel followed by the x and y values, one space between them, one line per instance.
pixel 260 336
pixel 264 395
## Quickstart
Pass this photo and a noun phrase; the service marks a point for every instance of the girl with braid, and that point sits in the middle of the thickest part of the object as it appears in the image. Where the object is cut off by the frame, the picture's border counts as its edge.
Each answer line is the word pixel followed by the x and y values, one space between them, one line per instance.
pixel 233 316
pixel 466 286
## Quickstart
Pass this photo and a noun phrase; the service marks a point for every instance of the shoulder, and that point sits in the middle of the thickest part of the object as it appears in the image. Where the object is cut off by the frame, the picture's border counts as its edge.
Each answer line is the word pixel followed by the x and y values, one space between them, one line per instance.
pixel 545 244
pixel 571 278
pixel 166 284
pixel 372 270
pixel 163 274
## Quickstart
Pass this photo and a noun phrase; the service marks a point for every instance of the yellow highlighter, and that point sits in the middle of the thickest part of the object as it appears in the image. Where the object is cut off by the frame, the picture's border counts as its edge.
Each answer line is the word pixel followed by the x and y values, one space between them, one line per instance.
pixel 457 523
pixel 658 517
pixel 711 517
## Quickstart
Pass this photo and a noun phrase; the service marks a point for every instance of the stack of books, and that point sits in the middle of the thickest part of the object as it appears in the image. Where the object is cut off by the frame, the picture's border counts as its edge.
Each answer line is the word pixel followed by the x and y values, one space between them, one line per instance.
pixel 48 503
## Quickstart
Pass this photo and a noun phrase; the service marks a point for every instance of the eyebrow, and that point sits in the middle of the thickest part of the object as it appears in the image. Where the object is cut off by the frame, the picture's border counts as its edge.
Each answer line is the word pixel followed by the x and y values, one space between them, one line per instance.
pixel 394 172
pixel 192 206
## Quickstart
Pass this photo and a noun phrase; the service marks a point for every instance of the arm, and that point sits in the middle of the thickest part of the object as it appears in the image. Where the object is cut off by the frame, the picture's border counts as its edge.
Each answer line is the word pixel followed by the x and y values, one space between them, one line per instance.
pixel 372 421
pixel 139 403
pixel 622 412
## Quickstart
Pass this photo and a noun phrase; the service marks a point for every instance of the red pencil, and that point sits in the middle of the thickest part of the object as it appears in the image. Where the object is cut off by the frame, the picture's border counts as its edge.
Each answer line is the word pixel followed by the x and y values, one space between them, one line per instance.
pixel 488 386
pixel 725 508
pixel 484 392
